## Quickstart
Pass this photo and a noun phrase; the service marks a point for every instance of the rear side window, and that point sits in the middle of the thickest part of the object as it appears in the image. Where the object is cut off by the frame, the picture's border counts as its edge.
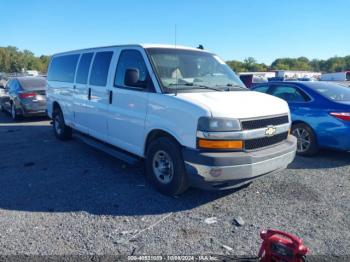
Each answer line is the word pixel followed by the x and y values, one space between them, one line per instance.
pixel 290 94
pixel 333 91
pixel 262 89
pixel 62 68
pixel 13 85
pixel 100 67
pixel 83 68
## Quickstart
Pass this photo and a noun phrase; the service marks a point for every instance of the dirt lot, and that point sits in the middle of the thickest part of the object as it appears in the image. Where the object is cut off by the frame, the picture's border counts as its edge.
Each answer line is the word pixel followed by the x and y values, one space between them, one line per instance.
pixel 67 198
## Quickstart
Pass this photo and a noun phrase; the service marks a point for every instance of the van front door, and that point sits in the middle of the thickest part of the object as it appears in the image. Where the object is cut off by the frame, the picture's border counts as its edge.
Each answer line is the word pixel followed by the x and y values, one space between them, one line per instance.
pixel 81 117
pixel 128 103
pixel 98 95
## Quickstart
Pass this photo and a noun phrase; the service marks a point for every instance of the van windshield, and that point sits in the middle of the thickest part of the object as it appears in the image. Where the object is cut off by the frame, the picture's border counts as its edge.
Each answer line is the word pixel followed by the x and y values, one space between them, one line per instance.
pixel 190 70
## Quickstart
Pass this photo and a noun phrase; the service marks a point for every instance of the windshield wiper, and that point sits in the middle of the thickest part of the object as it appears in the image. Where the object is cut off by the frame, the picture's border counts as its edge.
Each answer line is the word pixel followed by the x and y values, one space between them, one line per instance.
pixel 230 87
pixel 205 87
pixel 196 86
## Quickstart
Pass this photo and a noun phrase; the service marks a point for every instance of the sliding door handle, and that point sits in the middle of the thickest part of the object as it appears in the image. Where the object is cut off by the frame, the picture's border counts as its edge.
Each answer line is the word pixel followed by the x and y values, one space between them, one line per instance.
pixel 110 96
pixel 89 93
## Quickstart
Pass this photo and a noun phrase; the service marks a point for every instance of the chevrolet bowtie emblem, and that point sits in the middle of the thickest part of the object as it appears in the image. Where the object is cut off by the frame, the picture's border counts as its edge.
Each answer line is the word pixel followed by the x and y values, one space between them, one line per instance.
pixel 270 131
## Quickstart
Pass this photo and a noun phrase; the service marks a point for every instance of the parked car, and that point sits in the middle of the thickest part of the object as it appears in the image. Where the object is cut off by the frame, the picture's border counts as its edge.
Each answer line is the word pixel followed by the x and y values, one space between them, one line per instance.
pixel 181 109
pixel 320 113
pixel 24 96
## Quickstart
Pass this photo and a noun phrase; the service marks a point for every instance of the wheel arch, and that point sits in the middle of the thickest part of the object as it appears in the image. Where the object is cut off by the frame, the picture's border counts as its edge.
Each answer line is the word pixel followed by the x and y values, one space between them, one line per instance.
pixel 305 123
pixel 310 126
pixel 55 106
pixel 157 133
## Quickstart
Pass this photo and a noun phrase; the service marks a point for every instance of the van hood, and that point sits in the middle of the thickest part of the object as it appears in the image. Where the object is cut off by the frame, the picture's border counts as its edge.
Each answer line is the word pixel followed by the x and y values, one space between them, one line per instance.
pixel 237 104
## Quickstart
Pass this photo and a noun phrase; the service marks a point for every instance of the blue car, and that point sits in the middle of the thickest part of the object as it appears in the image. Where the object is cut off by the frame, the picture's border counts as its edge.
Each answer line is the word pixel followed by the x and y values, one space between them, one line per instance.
pixel 320 113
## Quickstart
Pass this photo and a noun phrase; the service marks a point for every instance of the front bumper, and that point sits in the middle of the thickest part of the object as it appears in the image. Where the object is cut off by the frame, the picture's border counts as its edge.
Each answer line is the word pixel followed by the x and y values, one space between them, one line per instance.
pixel 222 170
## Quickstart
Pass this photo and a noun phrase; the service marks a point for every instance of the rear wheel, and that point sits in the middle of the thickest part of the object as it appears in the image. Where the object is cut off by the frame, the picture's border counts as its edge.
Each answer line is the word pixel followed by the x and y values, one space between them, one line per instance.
pixel 165 166
pixel 307 143
pixel 61 130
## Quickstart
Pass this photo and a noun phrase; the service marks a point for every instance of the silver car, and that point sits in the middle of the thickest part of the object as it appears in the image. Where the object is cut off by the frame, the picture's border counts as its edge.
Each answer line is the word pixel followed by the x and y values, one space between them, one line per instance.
pixel 24 96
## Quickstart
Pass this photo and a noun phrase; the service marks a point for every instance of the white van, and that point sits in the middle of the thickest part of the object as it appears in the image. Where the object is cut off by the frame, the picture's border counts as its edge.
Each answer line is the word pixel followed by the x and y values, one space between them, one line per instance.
pixel 181 109
pixel 338 76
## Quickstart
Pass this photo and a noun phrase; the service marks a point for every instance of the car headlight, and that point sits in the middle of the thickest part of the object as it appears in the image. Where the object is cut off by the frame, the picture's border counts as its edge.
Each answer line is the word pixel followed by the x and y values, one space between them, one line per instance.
pixel 215 124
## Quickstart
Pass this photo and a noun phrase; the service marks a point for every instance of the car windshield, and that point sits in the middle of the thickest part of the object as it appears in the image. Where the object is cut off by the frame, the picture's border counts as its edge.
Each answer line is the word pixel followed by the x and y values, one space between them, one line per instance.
pixel 190 70
pixel 333 92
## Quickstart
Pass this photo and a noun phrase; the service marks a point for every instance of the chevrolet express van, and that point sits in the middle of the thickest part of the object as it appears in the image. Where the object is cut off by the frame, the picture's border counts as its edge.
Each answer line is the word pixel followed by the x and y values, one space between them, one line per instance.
pixel 181 109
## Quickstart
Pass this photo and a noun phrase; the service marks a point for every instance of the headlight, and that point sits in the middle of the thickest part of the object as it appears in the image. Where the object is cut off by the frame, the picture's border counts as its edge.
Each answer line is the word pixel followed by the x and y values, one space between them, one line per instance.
pixel 213 124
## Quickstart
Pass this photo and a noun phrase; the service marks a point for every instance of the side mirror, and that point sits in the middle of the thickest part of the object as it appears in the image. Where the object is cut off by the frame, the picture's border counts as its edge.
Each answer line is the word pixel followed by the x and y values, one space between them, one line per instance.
pixel 132 78
pixel 2 86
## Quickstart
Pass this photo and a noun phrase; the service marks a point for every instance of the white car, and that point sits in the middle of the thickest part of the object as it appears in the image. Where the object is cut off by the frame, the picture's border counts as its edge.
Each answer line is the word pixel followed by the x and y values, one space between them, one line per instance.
pixel 181 109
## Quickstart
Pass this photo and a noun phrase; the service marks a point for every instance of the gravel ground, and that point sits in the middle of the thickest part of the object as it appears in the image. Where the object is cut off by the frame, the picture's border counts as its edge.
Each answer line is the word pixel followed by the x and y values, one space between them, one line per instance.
pixel 67 198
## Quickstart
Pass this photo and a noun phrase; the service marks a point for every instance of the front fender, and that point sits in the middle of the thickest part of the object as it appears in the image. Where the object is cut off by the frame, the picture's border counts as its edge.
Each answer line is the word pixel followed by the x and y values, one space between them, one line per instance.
pixel 174 116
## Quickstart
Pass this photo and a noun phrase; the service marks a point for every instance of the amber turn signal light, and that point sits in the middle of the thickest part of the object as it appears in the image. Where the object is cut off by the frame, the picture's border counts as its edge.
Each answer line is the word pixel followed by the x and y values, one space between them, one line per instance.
pixel 220 144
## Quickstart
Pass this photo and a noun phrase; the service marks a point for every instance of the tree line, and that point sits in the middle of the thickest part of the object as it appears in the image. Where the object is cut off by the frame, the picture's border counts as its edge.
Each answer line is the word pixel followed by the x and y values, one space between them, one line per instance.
pixel 13 60
pixel 334 64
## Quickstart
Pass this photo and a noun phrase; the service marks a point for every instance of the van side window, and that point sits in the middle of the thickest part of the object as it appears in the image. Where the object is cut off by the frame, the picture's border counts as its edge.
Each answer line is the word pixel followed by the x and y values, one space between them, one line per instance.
pixel 62 68
pixel 100 67
pixel 130 59
pixel 83 68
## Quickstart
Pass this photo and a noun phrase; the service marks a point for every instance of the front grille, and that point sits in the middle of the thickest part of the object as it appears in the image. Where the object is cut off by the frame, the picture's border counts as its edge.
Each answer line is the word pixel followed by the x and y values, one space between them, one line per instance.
pixel 264 141
pixel 264 122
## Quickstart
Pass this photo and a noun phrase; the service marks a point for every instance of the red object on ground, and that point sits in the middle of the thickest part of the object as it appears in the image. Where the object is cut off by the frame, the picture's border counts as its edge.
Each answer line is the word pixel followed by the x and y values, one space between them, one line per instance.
pixel 279 246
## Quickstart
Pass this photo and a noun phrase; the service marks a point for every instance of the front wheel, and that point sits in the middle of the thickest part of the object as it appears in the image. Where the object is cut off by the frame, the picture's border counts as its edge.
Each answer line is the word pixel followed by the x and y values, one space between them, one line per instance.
pixel 165 166
pixel 307 143
pixel 61 130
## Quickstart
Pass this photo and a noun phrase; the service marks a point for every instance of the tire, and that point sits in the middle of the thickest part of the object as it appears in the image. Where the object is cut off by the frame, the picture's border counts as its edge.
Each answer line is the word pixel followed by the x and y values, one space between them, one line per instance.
pixel 61 130
pixel 307 142
pixel 165 167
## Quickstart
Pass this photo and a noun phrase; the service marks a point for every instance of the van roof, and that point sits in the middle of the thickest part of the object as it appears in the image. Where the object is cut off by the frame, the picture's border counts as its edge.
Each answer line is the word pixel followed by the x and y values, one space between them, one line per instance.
pixel 135 45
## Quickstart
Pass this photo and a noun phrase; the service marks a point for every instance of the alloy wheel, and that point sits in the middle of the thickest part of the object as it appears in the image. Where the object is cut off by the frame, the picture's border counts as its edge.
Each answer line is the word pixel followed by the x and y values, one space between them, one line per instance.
pixel 304 139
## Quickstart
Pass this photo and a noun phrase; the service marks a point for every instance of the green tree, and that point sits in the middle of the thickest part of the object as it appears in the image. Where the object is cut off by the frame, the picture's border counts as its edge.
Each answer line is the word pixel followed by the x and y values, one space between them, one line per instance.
pixel 249 64
pixel 236 66
pixel 13 60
